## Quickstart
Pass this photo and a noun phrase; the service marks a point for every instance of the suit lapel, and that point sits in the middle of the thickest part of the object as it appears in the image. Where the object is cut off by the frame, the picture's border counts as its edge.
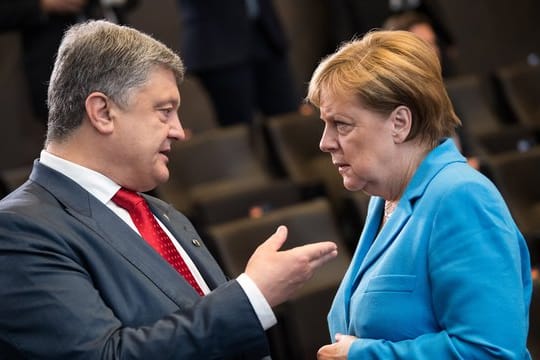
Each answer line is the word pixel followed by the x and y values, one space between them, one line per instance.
pixel 108 227
pixel 189 239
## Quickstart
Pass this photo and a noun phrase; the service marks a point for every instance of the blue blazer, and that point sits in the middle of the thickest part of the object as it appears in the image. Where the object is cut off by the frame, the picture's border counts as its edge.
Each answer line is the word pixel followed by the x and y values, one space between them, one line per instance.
pixel 76 282
pixel 447 277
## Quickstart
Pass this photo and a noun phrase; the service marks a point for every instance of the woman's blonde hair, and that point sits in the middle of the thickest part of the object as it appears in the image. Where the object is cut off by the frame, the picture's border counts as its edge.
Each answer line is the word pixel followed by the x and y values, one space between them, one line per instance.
pixel 386 69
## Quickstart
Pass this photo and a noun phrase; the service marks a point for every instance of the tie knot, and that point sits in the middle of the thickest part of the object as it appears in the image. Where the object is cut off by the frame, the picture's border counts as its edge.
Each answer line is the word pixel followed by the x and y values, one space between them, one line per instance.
pixel 127 199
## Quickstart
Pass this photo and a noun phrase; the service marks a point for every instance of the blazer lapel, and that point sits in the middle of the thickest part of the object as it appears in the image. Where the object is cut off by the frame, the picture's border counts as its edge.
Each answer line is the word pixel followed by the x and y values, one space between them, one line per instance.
pixel 100 220
pixel 381 241
pixel 189 239
pixel 439 157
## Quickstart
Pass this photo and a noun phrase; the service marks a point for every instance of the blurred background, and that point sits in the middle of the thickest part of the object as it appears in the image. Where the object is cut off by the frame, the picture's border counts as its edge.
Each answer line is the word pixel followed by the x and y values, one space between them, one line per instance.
pixel 237 182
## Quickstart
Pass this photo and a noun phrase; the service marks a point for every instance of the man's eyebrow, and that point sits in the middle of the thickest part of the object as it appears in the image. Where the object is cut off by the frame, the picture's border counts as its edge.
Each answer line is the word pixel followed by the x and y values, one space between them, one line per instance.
pixel 173 102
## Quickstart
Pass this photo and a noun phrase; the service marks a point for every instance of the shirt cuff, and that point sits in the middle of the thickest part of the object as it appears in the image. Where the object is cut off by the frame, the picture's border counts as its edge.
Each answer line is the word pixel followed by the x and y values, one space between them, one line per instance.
pixel 258 302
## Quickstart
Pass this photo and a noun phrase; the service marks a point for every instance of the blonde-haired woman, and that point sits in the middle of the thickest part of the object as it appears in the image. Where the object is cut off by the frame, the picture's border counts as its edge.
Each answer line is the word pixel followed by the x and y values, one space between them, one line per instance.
pixel 441 271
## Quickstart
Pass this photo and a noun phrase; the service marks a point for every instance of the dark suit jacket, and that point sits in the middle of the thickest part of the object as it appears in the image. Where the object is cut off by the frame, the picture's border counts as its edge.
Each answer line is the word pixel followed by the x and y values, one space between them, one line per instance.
pixel 76 282
pixel 216 33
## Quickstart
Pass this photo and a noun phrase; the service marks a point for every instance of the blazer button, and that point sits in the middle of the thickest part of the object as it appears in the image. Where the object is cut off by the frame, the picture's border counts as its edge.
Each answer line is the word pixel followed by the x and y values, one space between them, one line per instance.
pixel 196 242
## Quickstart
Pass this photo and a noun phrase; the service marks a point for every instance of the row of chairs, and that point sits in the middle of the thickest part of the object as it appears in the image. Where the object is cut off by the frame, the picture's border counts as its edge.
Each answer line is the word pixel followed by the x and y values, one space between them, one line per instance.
pixel 501 118
pixel 218 175
pixel 302 327
pixel 500 111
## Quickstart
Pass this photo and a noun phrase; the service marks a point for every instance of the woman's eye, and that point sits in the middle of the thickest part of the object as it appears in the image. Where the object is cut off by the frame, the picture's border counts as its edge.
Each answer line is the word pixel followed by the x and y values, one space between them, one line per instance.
pixel 342 127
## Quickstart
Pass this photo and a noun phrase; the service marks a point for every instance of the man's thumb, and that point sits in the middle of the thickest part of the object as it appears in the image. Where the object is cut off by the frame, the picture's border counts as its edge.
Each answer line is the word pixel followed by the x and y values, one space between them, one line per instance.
pixel 278 238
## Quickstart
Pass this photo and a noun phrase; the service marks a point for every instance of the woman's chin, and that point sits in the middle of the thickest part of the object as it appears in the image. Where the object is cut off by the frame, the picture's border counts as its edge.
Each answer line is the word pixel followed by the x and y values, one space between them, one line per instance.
pixel 352 185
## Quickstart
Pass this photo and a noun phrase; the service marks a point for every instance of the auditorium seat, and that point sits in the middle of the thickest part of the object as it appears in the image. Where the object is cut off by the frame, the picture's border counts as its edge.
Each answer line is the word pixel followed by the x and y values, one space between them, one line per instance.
pixel 520 84
pixel 294 139
pixel 216 176
pixel 482 125
pixel 302 328
pixel 517 175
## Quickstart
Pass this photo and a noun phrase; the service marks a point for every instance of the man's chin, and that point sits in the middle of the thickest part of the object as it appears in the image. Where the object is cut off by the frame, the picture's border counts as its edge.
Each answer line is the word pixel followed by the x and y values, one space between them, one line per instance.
pixel 161 179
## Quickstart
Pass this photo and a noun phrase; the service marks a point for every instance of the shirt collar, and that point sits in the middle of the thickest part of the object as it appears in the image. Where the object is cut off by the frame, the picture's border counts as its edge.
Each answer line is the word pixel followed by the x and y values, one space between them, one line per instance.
pixel 92 181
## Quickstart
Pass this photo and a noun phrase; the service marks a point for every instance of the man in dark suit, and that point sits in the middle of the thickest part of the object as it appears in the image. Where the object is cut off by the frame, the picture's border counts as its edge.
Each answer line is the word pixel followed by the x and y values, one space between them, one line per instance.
pixel 79 278
pixel 238 51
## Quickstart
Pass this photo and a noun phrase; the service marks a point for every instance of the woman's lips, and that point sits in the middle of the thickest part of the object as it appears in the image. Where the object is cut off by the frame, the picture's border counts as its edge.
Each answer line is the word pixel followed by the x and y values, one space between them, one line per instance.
pixel 342 167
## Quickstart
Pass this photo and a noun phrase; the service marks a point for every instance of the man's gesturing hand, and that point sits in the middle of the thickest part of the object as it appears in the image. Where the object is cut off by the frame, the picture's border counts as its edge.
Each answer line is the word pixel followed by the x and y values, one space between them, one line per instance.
pixel 278 274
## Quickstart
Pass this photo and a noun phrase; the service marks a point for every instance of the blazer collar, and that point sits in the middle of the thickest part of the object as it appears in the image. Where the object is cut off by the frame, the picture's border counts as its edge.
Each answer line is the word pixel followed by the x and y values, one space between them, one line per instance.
pixel 373 243
pixel 99 219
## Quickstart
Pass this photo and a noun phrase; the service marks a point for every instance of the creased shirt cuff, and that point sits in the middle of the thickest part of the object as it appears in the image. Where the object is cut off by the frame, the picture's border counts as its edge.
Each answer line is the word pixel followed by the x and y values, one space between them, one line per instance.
pixel 258 302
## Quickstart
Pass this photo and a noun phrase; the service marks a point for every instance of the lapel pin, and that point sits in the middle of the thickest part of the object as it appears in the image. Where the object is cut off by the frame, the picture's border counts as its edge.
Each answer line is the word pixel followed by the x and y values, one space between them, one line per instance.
pixel 196 242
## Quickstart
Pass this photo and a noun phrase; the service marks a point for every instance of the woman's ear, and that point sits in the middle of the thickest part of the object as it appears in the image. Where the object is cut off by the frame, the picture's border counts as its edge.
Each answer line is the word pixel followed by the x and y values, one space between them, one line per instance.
pixel 98 110
pixel 401 123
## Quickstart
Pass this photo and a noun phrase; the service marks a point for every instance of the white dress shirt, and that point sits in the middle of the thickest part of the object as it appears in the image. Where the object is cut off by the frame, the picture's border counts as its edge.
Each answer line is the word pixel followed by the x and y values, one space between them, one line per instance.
pixel 103 188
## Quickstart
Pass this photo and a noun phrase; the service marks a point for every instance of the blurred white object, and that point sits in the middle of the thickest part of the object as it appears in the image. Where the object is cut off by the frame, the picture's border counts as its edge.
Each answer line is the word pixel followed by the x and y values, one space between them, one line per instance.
pixel 110 3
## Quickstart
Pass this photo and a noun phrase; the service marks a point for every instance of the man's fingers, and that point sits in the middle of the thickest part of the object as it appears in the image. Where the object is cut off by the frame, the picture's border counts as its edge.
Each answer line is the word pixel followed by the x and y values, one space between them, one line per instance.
pixel 276 241
pixel 316 263
pixel 317 253
pixel 320 250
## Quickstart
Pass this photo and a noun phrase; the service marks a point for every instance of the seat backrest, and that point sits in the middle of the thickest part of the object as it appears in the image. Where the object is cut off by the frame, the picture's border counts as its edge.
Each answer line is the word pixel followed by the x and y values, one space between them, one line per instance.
pixel 215 155
pixel 517 175
pixel 242 200
pixel 221 160
pixel 470 100
pixel 520 85
pixel 295 139
pixel 302 327
pixel 307 222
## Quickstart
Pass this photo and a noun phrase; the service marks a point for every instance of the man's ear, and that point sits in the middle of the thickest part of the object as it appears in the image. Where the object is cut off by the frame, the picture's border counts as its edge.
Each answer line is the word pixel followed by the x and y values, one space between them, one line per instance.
pixel 98 110
pixel 401 123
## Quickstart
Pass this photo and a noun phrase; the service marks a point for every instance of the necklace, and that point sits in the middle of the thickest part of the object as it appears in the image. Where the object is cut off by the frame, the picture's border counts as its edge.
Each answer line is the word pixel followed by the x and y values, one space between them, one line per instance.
pixel 389 207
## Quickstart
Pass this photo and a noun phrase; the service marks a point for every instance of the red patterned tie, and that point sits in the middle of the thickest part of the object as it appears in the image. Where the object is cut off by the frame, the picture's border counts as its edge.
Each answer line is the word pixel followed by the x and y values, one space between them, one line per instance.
pixel 150 230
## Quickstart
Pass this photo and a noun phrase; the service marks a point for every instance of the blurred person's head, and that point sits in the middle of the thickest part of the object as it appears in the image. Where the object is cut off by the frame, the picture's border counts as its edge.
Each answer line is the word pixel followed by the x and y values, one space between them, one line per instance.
pixel 417 23
pixel 384 105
